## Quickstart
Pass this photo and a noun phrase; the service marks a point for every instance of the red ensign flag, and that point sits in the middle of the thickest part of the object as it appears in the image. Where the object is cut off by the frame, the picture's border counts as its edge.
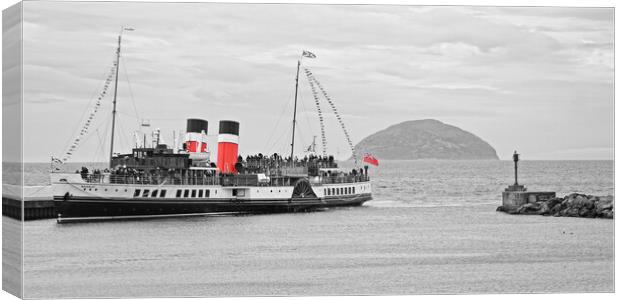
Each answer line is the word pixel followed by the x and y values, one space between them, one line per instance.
pixel 371 159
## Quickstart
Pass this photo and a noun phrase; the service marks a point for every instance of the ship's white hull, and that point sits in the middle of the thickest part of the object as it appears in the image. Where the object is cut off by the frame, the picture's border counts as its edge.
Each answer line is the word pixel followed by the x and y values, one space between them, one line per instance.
pixel 76 199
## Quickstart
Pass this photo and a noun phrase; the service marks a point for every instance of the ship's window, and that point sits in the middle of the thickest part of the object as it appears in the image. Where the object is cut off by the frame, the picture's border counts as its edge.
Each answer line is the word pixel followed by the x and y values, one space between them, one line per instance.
pixel 349 190
pixel 179 193
pixel 186 193
pixel 207 192
pixel 116 190
pixel 154 193
pixel 199 193
pixel 136 193
pixel 145 193
pixel 234 192
pixel 193 193
pixel 162 194
pixel 341 191
pixel 353 190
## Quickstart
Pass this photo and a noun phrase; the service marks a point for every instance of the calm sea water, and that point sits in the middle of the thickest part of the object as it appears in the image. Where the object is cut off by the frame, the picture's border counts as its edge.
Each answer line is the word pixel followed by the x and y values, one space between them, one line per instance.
pixel 431 228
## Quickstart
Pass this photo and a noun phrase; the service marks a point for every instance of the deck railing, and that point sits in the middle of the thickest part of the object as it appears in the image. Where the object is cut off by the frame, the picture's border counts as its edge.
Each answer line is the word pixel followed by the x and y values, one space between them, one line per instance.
pixel 225 180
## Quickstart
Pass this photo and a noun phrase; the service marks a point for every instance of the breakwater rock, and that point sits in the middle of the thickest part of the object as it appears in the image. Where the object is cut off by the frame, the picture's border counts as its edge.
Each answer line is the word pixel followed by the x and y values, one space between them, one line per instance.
pixel 573 205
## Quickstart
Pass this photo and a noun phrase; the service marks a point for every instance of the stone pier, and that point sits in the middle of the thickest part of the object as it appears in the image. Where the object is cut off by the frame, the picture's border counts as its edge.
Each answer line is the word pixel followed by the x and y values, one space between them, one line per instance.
pixel 517 195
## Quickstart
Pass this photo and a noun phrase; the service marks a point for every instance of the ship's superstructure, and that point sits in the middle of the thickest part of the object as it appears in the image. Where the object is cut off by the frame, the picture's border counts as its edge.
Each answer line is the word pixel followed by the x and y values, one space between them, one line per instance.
pixel 160 180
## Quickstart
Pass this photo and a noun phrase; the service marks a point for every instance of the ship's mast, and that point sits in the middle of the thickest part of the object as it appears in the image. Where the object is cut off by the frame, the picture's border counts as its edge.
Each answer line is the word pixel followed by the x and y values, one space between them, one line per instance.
pixel 118 62
pixel 295 110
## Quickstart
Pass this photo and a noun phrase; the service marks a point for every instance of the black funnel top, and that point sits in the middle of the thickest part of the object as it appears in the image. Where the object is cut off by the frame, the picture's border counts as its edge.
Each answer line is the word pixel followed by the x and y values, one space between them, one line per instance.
pixel 197 125
pixel 229 127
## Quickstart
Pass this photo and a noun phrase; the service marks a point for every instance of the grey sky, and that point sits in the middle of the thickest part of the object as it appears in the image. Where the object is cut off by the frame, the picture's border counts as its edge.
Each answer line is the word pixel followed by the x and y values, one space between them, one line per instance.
pixel 539 80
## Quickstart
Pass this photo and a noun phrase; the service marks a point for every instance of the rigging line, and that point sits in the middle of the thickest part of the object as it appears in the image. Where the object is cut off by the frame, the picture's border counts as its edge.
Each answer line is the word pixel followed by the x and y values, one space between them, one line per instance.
pixel 286 104
pixel 87 137
pixel 166 119
pixel 129 115
pixel 338 117
pixel 277 141
pixel 319 111
pixel 90 120
pixel 307 119
pixel 100 147
pixel 123 135
pixel 302 139
pixel 133 100
pixel 272 145
pixel 86 109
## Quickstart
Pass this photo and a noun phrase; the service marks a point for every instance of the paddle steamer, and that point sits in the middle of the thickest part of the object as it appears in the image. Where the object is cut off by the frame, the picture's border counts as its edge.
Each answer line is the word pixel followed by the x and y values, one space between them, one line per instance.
pixel 160 181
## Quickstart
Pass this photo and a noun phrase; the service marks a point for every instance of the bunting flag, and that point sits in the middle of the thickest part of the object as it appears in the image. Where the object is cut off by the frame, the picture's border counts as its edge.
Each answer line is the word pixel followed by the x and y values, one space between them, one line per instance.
pixel 88 121
pixel 312 78
pixel 318 109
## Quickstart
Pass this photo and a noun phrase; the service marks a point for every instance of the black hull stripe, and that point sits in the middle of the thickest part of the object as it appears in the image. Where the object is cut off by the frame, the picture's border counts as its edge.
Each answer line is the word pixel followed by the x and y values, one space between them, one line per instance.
pixel 82 208
pixel 205 200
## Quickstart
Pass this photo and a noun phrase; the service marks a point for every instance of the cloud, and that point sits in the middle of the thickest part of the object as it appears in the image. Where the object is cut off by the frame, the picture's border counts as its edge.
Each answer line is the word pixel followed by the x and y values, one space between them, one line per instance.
pixel 484 68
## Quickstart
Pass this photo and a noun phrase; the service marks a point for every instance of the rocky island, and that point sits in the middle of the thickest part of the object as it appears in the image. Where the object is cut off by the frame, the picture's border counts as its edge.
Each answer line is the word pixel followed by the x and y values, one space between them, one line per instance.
pixel 425 139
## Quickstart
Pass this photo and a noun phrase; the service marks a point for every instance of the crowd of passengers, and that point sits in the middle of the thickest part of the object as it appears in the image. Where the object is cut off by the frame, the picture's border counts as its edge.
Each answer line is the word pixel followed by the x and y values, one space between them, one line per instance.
pixel 253 164
pixel 260 163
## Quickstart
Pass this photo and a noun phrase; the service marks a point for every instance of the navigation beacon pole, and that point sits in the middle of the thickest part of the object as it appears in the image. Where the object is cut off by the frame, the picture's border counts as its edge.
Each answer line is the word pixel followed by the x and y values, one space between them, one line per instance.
pixel 295 110
pixel 515 158
pixel 118 63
